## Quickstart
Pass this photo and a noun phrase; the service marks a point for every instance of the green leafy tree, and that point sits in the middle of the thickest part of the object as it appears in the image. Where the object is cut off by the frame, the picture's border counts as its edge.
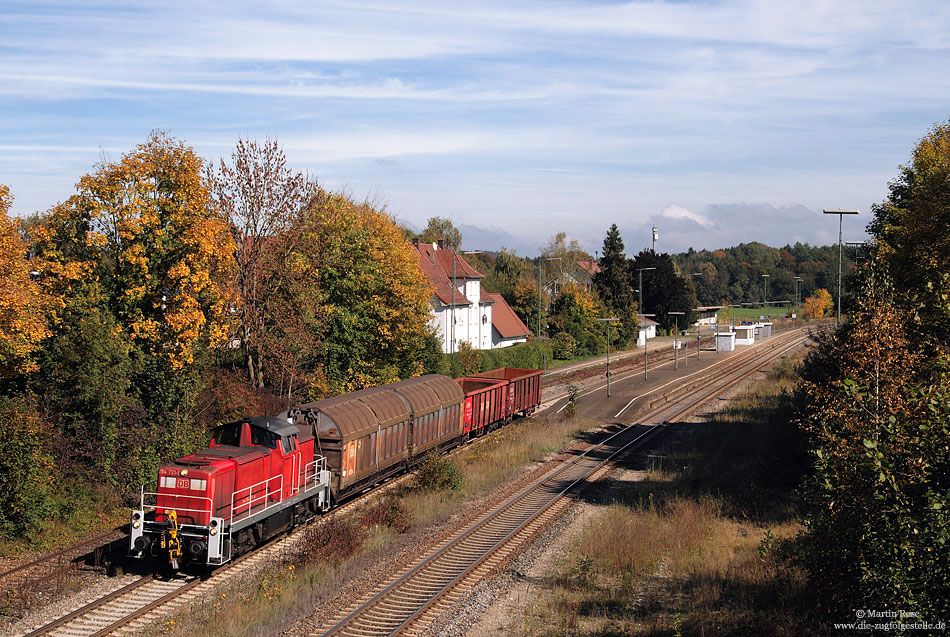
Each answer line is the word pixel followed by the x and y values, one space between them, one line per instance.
pixel 876 402
pixel 877 523
pixel 373 298
pixel 442 229
pixel 27 468
pixel 87 372
pixel 507 272
pixel 574 314
pixel 912 231
pixel 559 261
pixel 524 301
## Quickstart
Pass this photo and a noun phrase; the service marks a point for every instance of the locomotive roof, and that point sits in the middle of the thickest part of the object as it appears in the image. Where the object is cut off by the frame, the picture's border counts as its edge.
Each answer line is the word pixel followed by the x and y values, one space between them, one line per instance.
pixel 279 426
pixel 207 457
pixel 356 414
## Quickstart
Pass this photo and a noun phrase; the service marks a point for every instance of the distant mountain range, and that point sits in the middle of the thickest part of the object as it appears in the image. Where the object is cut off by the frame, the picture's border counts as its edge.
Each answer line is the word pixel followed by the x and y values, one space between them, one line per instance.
pixel 717 226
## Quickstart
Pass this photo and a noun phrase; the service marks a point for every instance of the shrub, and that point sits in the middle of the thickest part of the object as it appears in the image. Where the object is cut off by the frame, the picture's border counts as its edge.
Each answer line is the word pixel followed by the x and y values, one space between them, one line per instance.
pixel 387 512
pixel 26 469
pixel 530 355
pixel 564 346
pixel 573 398
pixel 437 473
pixel 333 541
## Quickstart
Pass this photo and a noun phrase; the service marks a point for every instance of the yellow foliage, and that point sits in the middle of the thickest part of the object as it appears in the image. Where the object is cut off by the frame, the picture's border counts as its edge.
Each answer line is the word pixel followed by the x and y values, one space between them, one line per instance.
pixel 148 224
pixel 372 291
pixel 817 304
pixel 22 304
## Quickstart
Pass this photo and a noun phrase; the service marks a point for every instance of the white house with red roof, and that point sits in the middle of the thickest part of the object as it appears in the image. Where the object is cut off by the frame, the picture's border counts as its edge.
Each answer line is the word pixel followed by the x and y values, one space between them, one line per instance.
pixel 507 327
pixel 461 311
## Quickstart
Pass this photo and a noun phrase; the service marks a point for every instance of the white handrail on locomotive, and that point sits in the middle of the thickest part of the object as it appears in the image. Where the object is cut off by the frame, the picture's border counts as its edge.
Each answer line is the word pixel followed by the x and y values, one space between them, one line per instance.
pixel 252 500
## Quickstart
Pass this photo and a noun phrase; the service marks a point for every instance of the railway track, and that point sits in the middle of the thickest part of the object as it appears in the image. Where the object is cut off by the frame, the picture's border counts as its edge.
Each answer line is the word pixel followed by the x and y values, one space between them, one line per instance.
pixel 421 592
pixel 138 605
pixel 51 571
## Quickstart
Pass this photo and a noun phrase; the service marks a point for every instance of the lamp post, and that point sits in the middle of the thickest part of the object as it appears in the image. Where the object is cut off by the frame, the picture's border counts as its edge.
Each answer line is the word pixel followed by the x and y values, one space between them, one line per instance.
pixel 640 274
pixel 607 322
pixel 766 277
pixel 455 259
pixel 656 235
pixel 798 303
pixel 645 377
pixel 541 260
pixel 676 329
pixel 841 214
pixel 699 340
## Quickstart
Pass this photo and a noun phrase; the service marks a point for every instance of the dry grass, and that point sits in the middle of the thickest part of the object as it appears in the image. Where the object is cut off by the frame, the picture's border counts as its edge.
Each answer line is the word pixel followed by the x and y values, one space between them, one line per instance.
pixel 333 553
pixel 491 463
pixel 694 548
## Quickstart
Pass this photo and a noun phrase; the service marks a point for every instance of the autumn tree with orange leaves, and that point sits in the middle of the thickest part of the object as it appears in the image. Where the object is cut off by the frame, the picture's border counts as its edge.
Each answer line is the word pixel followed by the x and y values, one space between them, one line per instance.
pixel 372 295
pixel 26 463
pixel 140 264
pixel 146 229
pixel 22 307
pixel 875 401
pixel 815 306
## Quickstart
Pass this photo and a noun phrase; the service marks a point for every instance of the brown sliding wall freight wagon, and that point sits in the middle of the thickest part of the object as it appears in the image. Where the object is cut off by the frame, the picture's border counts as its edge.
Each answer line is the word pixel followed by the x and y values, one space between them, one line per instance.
pixel 373 433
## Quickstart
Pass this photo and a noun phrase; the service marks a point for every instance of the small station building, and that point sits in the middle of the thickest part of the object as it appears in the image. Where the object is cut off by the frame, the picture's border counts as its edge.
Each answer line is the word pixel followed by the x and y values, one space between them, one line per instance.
pixel 725 341
pixel 745 333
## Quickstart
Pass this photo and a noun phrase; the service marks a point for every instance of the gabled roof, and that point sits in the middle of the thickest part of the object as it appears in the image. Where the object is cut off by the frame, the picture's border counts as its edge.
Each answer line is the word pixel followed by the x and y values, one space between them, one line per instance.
pixel 504 319
pixel 645 322
pixel 437 265
pixel 589 266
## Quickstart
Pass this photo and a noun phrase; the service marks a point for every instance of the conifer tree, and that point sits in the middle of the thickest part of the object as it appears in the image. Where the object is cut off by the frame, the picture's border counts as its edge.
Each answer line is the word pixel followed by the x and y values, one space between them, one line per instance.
pixel 613 284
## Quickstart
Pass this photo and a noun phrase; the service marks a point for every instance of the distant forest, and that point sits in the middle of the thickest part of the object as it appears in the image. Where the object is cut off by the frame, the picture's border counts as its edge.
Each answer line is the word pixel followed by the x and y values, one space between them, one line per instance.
pixel 735 275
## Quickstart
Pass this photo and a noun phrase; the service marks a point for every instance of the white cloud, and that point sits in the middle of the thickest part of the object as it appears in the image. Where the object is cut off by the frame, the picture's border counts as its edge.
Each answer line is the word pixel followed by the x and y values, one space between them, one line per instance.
pixel 673 211
pixel 568 114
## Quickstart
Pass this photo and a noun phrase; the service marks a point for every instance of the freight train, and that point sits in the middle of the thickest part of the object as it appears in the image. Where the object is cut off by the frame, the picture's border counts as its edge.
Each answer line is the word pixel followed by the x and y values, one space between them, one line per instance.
pixel 262 476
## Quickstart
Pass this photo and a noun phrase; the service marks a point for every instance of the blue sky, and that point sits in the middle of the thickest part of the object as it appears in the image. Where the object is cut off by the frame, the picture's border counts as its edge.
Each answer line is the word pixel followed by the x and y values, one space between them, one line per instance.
pixel 719 122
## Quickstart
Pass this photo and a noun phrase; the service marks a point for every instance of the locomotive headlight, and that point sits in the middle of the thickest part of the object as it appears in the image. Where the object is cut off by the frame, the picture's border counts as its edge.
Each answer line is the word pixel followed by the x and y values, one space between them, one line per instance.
pixel 183 472
pixel 214 531
pixel 136 516
pixel 136 524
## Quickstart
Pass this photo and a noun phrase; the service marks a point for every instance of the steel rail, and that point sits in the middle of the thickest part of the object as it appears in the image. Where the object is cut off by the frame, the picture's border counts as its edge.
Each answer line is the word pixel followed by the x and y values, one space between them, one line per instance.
pixel 425 596
pixel 722 365
pixel 546 490
pixel 50 557
pixel 79 612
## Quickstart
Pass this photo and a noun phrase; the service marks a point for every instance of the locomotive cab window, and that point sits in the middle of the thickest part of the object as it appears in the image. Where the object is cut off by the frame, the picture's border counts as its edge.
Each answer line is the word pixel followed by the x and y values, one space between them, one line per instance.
pixel 263 438
pixel 229 434
pixel 287 444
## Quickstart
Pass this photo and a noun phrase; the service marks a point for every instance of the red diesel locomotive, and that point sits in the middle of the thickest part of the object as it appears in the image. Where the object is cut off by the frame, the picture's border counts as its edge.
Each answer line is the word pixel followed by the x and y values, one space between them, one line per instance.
pixel 262 476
